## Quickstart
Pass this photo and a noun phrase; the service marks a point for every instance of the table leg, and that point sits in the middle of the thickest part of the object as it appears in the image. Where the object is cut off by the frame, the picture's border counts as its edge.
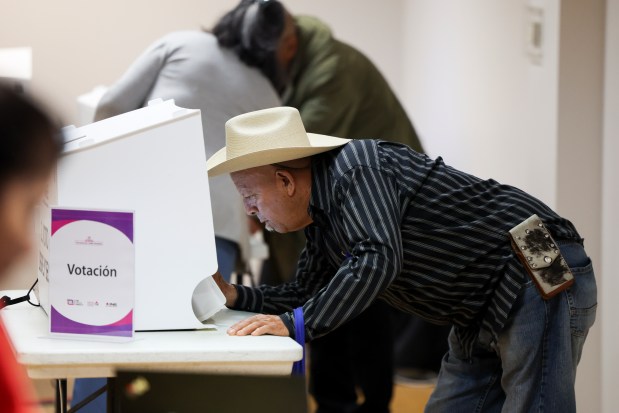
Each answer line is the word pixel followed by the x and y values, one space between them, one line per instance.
pixel 61 395
pixel 79 405
pixel 111 395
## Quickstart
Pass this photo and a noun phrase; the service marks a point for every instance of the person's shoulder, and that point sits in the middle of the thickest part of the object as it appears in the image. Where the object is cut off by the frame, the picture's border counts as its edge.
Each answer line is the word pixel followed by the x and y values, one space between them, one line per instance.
pixel 358 153
pixel 188 38
pixel 241 76
pixel 317 33
pixel 312 25
pixel 375 154
pixel 248 84
pixel 315 36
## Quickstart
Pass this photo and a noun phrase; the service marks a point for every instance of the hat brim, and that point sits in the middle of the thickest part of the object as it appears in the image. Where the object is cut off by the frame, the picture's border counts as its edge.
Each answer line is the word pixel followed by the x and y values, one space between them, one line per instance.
pixel 218 164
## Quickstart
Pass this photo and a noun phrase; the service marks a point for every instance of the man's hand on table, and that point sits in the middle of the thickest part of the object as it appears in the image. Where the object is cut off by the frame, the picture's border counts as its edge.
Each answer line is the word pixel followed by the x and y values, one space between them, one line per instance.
pixel 227 289
pixel 259 325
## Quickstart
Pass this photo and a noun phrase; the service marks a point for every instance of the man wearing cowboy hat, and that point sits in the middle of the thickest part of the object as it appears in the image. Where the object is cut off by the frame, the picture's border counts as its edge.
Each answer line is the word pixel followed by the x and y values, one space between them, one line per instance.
pixel 385 222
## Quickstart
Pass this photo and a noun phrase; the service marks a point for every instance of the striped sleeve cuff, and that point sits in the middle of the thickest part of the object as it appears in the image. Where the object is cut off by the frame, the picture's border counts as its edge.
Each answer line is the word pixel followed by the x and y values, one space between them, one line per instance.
pixel 288 321
pixel 249 299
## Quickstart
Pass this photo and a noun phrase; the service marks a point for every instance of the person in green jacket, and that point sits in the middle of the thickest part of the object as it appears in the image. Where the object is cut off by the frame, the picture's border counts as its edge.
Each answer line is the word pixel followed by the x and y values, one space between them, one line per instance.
pixel 339 92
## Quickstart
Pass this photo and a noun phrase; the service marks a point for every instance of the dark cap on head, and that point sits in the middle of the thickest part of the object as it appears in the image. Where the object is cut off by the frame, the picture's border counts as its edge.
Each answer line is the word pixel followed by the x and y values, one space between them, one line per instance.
pixel 253 30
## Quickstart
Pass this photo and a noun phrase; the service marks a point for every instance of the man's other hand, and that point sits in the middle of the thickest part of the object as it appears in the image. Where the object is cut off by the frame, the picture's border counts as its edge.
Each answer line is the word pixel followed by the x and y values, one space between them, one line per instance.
pixel 259 325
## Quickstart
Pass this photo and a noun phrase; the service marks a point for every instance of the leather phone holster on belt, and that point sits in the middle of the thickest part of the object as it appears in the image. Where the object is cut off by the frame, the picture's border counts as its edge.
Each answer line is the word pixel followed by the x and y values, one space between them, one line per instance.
pixel 541 257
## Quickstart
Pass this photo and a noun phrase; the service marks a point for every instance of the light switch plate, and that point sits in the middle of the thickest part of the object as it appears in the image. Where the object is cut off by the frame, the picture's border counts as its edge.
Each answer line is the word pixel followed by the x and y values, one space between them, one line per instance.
pixel 534 34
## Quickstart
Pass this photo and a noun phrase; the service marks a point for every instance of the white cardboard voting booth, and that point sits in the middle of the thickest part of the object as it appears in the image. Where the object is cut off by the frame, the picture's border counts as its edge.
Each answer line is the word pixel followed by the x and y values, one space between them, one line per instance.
pixel 150 161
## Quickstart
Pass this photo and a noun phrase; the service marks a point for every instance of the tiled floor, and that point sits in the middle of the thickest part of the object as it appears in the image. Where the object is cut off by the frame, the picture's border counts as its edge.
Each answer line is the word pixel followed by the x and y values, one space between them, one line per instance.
pixel 407 398
pixel 410 398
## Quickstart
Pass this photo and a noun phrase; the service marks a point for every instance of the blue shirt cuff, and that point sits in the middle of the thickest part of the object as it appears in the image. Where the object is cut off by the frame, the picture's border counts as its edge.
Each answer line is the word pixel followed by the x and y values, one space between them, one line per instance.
pixel 288 321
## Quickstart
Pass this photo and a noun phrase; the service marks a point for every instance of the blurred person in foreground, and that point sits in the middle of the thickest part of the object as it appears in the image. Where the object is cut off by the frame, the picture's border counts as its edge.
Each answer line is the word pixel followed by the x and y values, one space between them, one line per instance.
pixel 29 148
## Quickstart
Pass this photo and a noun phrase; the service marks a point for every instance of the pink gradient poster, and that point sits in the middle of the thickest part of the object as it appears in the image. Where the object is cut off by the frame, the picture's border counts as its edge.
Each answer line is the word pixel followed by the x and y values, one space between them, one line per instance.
pixel 92 274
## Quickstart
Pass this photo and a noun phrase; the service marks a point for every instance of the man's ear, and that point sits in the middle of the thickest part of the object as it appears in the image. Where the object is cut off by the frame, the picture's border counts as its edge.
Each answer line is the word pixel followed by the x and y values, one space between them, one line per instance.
pixel 285 180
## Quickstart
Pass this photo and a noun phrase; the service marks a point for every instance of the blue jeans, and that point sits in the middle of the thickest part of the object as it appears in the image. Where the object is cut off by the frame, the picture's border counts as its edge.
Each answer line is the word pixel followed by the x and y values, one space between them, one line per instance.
pixel 531 367
pixel 227 253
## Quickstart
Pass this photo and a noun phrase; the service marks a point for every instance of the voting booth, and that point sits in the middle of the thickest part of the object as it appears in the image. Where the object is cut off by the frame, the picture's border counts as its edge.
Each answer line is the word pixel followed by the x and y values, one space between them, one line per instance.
pixel 152 162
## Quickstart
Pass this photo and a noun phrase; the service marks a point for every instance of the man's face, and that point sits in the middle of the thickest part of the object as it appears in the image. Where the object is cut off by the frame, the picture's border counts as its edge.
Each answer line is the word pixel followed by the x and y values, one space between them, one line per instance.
pixel 18 199
pixel 266 194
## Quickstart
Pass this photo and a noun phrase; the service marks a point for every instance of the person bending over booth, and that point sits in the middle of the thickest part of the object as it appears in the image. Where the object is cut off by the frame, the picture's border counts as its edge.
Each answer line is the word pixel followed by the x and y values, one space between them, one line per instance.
pixel 384 222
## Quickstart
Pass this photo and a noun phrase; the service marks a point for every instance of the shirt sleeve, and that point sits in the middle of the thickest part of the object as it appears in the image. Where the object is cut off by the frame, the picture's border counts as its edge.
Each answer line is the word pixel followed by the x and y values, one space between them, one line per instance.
pixel 370 220
pixel 312 274
pixel 133 88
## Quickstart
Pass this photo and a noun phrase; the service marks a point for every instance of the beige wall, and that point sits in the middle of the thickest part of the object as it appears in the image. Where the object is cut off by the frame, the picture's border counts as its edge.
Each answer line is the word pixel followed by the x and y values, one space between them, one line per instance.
pixel 78 44
pixel 609 321
pixel 579 167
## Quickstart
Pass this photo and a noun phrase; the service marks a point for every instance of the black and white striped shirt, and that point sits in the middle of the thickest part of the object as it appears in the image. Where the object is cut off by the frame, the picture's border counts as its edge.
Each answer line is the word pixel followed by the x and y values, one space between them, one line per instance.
pixel 393 224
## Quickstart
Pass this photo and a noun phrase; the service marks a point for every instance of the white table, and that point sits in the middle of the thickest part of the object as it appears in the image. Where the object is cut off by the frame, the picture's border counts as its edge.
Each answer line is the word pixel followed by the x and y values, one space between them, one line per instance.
pixel 197 350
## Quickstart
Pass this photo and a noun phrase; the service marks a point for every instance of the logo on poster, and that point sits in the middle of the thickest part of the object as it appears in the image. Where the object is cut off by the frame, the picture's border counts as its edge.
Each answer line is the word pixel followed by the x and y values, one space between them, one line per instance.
pixel 88 241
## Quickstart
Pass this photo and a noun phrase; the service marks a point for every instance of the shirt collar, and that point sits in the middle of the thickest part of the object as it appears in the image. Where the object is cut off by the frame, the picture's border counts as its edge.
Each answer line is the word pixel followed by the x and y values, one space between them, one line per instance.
pixel 319 204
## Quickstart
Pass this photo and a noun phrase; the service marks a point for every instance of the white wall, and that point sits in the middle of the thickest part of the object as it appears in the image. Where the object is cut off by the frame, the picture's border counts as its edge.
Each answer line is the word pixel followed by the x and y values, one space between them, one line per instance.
pixel 473 94
pixel 610 241
pixel 479 101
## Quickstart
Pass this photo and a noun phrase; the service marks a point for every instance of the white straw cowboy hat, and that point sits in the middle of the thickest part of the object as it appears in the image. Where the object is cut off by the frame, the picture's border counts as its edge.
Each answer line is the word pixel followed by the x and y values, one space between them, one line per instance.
pixel 265 137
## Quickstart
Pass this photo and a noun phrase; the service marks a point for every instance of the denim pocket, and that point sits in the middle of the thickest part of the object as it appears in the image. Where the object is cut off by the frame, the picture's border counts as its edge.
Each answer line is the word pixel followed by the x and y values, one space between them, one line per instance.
pixel 455 344
pixel 582 302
